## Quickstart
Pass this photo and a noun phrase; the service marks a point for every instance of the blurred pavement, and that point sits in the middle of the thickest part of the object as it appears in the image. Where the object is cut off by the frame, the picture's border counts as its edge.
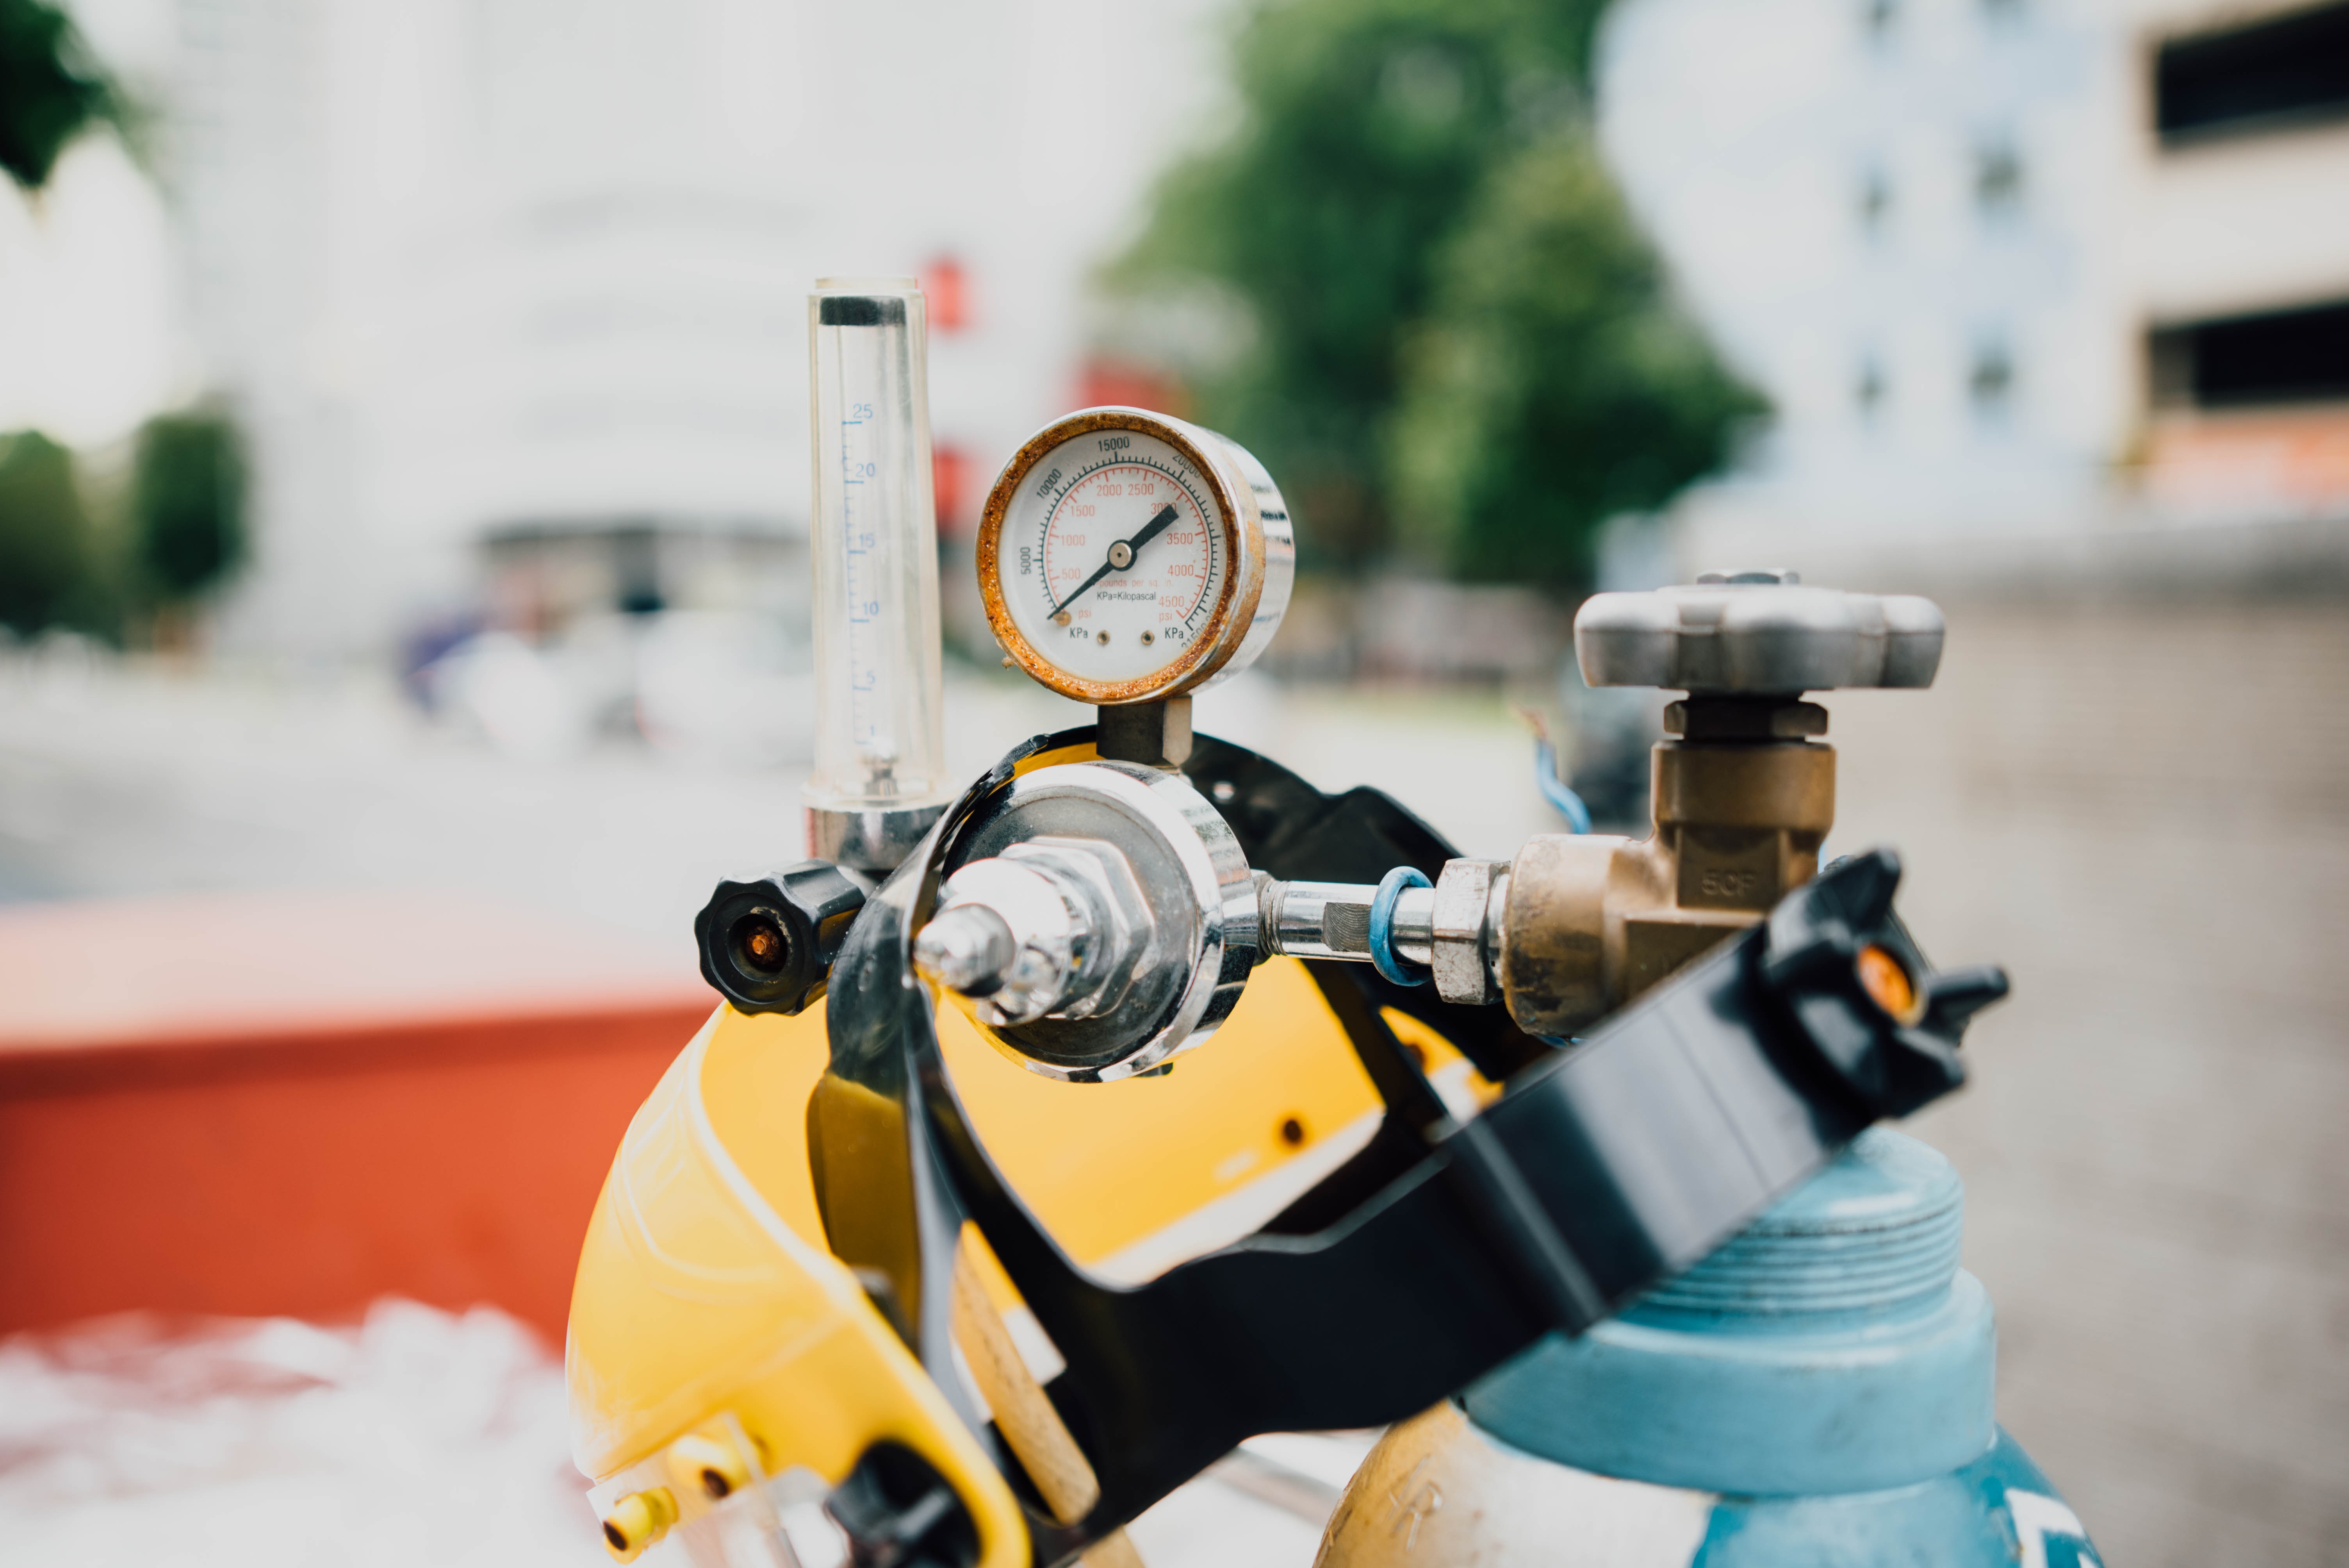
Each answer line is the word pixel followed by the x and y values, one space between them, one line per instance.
pixel 127 780
pixel 2140 806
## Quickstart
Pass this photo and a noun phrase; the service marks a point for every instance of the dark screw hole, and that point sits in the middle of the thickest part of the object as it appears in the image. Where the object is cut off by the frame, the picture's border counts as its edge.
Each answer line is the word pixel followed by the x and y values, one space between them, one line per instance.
pixel 1292 1132
pixel 761 944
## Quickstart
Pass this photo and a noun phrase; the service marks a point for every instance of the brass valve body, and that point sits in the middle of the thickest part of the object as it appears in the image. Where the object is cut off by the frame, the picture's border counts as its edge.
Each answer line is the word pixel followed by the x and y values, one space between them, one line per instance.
pixel 1592 921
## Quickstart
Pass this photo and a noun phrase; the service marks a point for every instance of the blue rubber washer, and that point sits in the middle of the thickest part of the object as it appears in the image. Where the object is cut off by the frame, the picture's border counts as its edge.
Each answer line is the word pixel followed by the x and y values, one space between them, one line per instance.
pixel 1382 953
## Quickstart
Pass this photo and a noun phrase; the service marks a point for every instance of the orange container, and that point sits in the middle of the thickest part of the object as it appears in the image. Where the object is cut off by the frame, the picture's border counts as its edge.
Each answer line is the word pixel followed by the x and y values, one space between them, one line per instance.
pixel 297 1102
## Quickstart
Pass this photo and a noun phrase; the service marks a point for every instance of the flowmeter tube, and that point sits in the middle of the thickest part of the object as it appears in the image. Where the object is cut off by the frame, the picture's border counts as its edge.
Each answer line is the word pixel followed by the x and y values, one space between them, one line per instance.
pixel 879 775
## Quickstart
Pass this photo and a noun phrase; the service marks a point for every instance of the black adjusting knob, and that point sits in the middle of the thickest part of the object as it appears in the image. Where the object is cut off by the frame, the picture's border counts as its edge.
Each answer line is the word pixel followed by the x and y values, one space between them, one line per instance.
pixel 767 945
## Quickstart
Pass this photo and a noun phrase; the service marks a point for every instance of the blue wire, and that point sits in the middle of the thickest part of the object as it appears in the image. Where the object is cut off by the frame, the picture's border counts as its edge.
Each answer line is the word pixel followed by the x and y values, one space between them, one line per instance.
pixel 1383 957
pixel 1553 789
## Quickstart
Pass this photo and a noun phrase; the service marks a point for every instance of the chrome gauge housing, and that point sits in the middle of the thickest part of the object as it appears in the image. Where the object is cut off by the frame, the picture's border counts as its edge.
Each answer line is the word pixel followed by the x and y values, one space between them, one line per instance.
pixel 1126 556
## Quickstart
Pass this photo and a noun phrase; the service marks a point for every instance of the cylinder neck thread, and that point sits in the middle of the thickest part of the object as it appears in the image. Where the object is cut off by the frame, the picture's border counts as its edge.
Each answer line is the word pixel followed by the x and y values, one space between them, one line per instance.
pixel 1834 1345
pixel 1875 1237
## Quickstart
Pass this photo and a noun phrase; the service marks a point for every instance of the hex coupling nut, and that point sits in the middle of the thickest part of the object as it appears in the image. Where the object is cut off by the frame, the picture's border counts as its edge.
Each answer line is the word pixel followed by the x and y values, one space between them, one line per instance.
pixel 1465 933
pixel 767 944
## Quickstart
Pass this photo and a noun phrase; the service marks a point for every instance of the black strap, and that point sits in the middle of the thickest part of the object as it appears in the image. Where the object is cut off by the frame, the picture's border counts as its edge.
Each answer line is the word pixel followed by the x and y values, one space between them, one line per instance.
pixel 1599 1172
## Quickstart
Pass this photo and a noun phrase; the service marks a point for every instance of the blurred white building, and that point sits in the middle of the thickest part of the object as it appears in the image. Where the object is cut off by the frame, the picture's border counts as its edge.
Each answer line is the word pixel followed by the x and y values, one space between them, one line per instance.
pixel 535 270
pixel 516 286
pixel 2006 265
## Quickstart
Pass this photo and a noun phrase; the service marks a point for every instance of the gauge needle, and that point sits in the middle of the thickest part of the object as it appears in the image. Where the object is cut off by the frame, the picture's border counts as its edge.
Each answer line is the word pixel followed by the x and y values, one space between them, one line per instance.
pixel 1121 554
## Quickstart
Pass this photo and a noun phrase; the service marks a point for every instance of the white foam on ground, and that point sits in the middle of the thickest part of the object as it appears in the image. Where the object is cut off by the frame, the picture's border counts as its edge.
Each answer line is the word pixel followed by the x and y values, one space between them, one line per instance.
pixel 418 1436
pixel 415 1437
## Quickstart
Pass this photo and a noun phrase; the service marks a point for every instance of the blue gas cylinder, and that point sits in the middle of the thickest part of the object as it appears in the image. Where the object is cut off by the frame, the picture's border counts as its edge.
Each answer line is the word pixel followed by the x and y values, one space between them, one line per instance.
pixel 1818 1392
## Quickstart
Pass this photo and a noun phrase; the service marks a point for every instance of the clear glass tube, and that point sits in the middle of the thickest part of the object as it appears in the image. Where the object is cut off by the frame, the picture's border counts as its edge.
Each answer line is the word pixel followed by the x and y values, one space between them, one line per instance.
pixel 880 744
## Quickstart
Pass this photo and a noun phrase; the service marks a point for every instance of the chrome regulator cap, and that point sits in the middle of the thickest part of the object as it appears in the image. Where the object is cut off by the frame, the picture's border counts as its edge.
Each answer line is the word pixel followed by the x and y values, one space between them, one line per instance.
pixel 1101 915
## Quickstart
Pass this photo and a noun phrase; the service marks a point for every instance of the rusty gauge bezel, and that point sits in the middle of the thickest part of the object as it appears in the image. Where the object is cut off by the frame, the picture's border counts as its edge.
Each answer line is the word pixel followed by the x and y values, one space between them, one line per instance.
pixel 1244 551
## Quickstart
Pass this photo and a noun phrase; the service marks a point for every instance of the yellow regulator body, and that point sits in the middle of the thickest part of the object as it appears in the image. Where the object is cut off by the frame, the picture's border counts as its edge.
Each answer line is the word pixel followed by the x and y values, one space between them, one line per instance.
pixel 714 1341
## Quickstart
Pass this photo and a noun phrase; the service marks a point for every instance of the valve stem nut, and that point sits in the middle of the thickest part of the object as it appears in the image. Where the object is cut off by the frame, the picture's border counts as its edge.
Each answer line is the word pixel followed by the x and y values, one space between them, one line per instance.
pixel 967 948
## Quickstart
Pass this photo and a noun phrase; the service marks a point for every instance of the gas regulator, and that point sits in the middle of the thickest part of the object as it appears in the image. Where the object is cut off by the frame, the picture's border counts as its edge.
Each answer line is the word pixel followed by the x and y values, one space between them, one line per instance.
pixel 1103 913
pixel 1089 896
pixel 1675 1031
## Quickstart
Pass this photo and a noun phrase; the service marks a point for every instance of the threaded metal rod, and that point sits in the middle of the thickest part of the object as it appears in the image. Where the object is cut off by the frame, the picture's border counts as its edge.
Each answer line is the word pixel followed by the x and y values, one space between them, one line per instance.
pixel 1333 920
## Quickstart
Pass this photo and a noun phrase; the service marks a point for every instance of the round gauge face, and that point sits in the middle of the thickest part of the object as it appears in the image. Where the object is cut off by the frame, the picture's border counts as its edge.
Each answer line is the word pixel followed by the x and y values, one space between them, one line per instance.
pixel 1107 558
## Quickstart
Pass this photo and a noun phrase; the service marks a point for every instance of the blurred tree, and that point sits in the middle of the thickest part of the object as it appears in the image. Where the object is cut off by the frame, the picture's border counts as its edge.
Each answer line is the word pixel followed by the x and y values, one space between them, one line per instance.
pixel 50 91
pixel 48 567
pixel 1553 384
pixel 53 571
pixel 187 506
pixel 1371 135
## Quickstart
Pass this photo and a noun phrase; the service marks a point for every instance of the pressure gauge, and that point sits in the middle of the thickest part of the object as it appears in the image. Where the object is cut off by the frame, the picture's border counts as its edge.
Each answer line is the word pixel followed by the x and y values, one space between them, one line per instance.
pixel 1128 557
